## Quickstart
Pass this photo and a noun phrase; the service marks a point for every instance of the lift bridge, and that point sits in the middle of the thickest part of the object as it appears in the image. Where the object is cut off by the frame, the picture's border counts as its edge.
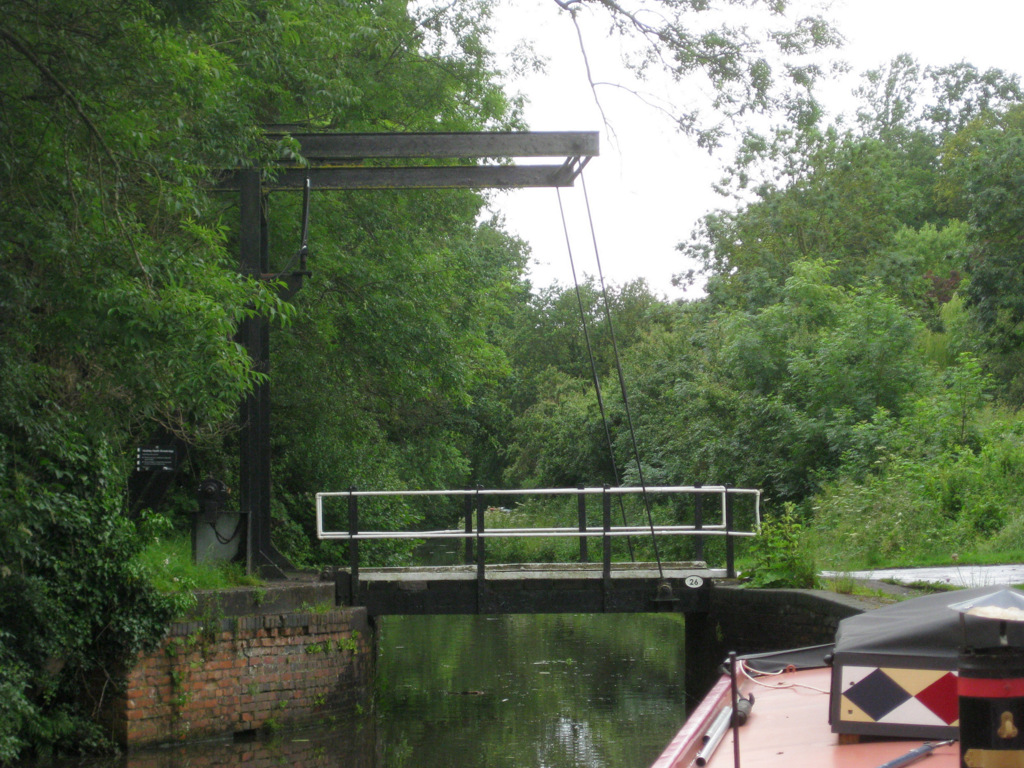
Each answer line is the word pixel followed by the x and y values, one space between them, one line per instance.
pixel 604 585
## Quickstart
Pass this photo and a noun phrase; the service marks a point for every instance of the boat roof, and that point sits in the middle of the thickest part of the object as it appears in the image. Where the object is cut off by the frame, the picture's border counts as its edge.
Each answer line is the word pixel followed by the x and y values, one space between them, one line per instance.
pixel 927 627
pixel 788 726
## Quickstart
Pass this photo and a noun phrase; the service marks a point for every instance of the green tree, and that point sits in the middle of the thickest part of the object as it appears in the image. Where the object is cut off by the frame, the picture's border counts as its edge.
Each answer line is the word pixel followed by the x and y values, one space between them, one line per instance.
pixel 755 66
pixel 989 161
pixel 121 295
pixel 771 398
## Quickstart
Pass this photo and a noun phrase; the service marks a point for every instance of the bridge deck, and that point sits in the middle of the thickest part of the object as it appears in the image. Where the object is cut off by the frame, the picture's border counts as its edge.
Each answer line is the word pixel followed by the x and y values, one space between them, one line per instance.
pixel 530 588
pixel 539 571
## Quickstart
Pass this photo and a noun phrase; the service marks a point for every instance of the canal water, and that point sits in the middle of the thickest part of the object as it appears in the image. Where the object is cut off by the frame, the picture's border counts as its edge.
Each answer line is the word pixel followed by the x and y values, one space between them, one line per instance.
pixel 558 691
pixel 548 691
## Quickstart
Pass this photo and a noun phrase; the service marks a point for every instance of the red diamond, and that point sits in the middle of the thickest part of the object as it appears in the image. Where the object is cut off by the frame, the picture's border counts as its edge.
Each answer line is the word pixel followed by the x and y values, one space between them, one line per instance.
pixel 941 698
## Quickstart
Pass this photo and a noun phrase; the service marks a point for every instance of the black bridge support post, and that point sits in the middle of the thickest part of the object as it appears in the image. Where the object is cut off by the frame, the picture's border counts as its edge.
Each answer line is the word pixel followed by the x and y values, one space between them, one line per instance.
pixel 468 514
pixel 481 552
pixel 581 508
pixel 698 523
pixel 730 549
pixel 606 561
pixel 254 411
pixel 702 651
pixel 353 542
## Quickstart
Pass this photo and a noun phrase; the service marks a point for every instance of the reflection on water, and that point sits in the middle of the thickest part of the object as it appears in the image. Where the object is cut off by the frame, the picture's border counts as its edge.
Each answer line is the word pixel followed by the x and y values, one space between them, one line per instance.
pixel 474 691
pixel 349 743
pixel 553 691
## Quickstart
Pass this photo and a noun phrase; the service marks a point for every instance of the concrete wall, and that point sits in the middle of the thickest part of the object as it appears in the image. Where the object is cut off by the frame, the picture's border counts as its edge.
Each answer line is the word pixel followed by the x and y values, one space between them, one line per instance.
pixel 285 661
pixel 758 620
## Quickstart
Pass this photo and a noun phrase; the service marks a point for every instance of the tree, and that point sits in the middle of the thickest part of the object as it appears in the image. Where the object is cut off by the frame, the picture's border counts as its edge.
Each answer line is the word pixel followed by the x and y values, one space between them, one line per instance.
pixel 769 397
pixel 752 62
pixel 121 294
pixel 986 160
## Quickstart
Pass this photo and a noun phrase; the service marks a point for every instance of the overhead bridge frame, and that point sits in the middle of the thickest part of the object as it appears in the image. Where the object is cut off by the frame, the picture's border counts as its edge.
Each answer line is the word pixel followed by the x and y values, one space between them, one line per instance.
pixel 363 161
pixel 349 161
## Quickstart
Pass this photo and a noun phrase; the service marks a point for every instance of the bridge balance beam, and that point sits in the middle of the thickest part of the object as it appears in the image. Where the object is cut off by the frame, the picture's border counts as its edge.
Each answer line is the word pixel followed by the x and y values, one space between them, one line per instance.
pixel 570 588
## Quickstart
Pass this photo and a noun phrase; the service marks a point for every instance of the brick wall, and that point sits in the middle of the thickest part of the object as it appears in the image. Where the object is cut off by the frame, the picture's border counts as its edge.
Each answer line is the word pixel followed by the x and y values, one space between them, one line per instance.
pixel 231 675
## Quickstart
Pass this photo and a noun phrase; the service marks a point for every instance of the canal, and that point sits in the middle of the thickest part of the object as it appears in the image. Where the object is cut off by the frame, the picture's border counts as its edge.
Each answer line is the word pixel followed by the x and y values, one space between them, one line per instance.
pixel 548 691
pixel 560 691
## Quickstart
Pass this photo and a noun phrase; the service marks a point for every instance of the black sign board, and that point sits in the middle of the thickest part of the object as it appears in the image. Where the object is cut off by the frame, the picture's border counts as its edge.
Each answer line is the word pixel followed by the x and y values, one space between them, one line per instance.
pixel 156 458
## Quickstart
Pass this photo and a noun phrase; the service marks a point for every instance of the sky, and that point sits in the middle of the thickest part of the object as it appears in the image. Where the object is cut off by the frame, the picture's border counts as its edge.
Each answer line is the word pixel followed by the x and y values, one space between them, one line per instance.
pixel 650 185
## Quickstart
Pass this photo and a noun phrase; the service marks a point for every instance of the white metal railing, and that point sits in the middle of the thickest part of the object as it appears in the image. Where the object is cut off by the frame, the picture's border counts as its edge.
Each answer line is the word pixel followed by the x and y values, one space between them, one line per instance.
pixel 723 527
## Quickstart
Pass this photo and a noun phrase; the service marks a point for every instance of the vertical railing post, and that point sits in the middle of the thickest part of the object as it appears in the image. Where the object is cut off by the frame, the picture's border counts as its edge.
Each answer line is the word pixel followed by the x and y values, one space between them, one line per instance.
pixel 480 548
pixel 698 523
pixel 468 513
pixel 353 542
pixel 581 509
pixel 730 554
pixel 606 567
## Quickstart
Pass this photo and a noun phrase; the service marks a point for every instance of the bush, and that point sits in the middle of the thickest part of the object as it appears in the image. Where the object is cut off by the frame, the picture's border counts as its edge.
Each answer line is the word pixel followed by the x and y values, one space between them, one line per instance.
pixel 781 558
pixel 75 605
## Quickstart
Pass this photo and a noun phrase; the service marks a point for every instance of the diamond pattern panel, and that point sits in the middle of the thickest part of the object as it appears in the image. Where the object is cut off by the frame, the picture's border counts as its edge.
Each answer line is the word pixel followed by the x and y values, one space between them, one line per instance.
pixel 903 696
pixel 941 698
pixel 877 694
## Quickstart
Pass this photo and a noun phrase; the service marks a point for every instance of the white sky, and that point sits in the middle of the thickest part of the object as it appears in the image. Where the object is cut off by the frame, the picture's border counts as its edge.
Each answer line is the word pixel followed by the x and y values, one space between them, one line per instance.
pixel 650 185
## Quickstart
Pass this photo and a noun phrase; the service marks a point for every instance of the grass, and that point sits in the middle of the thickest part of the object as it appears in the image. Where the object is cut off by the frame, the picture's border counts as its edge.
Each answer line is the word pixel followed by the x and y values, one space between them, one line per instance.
pixel 168 561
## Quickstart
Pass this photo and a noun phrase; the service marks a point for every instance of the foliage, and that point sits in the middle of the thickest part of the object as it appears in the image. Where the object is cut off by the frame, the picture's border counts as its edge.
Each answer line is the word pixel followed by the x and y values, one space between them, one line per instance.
pixel 121 294
pixel 169 567
pixel 929 495
pixel 534 513
pixel 992 153
pixel 74 604
pixel 737 70
pixel 857 353
pixel 781 556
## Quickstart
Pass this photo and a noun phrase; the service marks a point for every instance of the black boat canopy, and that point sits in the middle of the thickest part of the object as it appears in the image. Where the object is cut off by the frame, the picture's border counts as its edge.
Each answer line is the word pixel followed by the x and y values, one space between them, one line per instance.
pixel 926 627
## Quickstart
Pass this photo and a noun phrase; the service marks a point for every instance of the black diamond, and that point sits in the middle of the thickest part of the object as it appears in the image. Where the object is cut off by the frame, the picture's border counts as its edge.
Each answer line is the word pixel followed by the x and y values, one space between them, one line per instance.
pixel 877 694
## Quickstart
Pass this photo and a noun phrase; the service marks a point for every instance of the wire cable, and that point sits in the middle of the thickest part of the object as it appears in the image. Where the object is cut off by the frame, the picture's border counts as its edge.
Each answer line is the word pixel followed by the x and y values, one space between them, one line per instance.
pixel 593 368
pixel 622 381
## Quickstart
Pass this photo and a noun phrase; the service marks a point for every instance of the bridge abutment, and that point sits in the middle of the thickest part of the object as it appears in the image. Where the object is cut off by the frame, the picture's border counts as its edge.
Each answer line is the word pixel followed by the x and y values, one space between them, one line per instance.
pixel 285 655
pixel 248 660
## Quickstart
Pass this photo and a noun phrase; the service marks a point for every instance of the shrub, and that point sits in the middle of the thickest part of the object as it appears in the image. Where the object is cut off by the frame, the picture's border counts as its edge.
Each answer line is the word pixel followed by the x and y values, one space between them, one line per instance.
pixel 781 558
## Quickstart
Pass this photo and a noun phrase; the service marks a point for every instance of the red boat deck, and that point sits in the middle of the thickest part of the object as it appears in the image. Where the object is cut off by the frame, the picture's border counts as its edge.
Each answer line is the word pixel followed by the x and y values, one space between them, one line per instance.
pixel 787 728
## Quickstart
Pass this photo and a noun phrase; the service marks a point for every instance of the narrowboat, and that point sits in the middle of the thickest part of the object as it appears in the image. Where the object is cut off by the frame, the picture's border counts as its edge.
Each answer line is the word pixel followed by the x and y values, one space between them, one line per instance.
pixel 938 677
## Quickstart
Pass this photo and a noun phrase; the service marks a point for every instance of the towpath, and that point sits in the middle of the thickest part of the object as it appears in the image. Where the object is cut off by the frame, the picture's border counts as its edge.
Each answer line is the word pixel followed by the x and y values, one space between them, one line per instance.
pixel 963 576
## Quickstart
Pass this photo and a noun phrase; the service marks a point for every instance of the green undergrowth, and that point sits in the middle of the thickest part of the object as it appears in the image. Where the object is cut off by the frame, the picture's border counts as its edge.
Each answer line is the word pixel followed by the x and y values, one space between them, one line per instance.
pixel 168 562
pixel 925 500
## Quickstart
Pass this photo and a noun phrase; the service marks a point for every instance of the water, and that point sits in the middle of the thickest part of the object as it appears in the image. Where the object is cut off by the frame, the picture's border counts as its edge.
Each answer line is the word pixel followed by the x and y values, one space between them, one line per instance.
pixel 549 691
pixel 555 691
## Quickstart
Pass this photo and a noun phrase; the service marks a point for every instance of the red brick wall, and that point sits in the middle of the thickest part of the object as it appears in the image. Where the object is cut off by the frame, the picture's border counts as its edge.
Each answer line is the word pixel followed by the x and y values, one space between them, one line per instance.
pixel 231 675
